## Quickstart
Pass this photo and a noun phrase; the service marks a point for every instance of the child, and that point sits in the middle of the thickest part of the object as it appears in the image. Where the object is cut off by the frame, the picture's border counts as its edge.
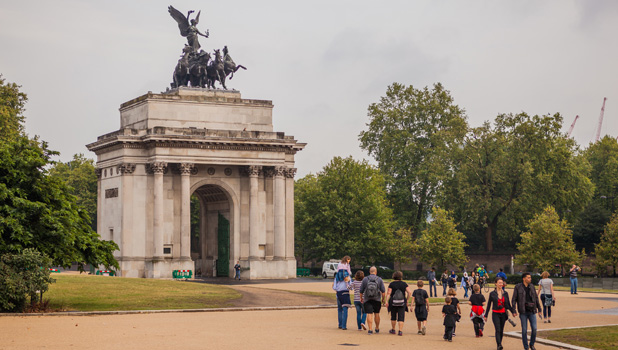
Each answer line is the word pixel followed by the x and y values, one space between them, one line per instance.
pixel 421 307
pixel 448 312
pixel 361 316
pixel 455 302
pixel 477 300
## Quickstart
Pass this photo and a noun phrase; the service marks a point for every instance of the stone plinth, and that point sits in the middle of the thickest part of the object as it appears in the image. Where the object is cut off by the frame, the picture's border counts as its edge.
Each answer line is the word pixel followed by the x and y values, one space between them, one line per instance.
pixel 216 146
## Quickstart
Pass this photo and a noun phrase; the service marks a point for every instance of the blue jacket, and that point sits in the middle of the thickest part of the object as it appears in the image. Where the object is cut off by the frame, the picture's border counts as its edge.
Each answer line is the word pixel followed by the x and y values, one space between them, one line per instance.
pixel 339 284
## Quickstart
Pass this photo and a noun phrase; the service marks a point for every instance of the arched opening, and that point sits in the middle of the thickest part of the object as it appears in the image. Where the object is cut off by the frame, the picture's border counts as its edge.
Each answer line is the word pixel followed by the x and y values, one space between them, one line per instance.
pixel 211 216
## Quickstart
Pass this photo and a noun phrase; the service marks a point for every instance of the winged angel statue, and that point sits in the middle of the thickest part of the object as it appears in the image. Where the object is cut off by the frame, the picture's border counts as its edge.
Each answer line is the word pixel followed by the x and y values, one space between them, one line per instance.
pixel 188 28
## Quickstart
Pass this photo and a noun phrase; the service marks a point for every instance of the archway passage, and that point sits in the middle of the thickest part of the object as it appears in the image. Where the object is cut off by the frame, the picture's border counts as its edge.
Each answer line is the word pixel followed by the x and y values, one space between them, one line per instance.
pixel 210 231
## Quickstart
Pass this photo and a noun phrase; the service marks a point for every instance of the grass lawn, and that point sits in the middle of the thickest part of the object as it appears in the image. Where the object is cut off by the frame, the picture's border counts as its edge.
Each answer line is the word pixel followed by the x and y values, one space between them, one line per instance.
pixel 611 291
pixel 101 293
pixel 601 338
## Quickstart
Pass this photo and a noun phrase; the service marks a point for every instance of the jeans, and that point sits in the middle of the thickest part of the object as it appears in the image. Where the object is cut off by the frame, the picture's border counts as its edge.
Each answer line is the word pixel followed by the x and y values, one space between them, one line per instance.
pixel 573 285
pixel 524 318
pixel 237 274
pixel 432 292
pixel 546 309
pixel 342 314
pixel 444 286
pixel 465 291
pixel 499 319
pixel 361 316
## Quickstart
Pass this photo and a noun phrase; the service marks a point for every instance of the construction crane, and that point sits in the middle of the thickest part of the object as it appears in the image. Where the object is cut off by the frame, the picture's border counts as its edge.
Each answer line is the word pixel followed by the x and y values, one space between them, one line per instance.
pixel 572 126
pixel 601 120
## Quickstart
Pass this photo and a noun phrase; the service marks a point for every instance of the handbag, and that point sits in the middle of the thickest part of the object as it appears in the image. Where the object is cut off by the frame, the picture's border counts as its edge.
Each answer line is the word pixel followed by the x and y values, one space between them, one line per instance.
pixel 548 301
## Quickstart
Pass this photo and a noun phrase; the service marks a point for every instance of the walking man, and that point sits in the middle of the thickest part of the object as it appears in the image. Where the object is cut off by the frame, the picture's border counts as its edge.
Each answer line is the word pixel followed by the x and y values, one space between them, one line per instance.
pixel 372 296
pixel 526 303
pixel 237 270
pixel 573 276
pixel 431 277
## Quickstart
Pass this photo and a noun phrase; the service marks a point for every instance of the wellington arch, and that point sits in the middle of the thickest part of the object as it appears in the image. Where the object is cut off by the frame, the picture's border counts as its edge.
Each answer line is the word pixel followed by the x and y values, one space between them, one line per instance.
pixel 218 147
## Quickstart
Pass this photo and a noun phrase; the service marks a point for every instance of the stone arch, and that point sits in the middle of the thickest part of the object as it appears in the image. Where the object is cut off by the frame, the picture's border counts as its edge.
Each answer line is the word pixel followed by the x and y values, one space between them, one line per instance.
pixel 224 189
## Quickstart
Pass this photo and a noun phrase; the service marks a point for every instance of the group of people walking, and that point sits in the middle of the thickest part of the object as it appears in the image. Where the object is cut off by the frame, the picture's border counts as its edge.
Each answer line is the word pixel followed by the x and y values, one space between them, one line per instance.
pixel 371 294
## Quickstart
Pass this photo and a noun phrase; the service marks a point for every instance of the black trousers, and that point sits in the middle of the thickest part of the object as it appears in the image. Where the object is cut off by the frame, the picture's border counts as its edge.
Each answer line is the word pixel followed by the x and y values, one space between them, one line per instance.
pixel 499 319
pixel 448 332
pixel 479 324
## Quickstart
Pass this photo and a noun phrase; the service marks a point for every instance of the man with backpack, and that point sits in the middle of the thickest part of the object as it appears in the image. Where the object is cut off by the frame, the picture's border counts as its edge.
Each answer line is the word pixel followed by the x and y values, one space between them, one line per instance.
pixel 372 297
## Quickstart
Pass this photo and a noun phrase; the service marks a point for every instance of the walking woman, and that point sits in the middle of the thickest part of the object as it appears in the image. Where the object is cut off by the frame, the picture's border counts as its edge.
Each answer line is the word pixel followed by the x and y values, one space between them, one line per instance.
pixel 399 293
pixel 500 303
pixel 361 316
pixel 548 297
pixel 464 284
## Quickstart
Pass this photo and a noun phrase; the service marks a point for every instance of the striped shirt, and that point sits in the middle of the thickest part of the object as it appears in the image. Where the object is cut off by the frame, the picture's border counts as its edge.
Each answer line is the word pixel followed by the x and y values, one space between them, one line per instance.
pixel 357 285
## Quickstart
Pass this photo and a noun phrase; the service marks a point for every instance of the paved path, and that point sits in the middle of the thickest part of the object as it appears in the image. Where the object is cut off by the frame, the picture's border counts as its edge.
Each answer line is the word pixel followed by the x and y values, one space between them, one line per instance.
pixel 298 329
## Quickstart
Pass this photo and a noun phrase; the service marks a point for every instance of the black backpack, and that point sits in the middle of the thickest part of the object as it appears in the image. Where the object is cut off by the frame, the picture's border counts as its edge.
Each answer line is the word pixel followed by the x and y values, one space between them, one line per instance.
pixel 419 297
pixel 398 298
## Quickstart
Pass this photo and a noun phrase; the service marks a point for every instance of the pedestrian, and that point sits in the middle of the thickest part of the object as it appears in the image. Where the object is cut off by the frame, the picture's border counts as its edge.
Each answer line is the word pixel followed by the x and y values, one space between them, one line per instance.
pixel 452 280
pixel 464 283
pixel 548 297
pixel 372 296
pixel 431 277
pixel 421 307
pixel 455 302
pixel 527 304
pixel 477 302
pixel 237 270
pixel 361 316
pixel 573 277
pixel 448 312
pixel 502 275
pixel 444 280
pixel 342 285
pixel 499 301
pixel 397 295
pixel 345 265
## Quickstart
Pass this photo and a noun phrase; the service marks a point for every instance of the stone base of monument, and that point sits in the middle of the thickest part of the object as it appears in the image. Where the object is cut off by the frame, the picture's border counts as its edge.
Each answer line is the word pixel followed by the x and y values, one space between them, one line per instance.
pixel 221 150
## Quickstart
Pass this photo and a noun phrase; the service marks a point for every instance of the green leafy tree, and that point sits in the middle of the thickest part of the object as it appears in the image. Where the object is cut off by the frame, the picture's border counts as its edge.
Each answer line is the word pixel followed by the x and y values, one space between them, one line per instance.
pixel 548 242
pixel 402 246
pixel 511 170
pixel 79 174
pixel 38 210
pixel 590 224
pixel 441 244
pixel 414 135
pixel 607 250
pixel 343 211
pixel 12 103
pixel 22 275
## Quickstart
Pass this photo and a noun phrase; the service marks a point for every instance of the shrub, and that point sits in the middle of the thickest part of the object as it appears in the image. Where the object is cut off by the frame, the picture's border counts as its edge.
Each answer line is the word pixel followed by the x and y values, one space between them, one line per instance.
pixel 22 275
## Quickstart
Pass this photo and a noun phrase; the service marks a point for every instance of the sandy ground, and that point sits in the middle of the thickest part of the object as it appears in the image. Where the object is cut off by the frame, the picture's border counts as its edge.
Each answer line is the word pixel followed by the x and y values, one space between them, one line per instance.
pixel 298 329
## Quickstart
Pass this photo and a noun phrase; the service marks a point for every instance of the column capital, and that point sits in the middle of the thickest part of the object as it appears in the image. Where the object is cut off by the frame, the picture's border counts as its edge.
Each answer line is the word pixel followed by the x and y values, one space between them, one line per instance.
pixel 126 168
pixel 280 171
pixel 98 172
pixel 187 169
pixel 290 173
pixel 251 170
pixel 157 168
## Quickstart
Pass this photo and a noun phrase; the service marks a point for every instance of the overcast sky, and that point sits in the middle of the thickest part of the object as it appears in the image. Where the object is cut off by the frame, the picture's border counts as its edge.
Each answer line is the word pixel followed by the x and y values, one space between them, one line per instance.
pixel 320 62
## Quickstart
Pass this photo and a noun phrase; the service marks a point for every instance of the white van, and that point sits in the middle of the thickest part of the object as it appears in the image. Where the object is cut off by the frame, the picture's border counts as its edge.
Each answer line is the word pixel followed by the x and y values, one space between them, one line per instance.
pixel 329 268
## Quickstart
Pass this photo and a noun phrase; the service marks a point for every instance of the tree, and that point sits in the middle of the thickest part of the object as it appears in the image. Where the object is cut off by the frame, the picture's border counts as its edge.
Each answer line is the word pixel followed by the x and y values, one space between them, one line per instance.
pixel 548 242
pixel 511 170
pixel 79 174
pixel 607 250
pixel 12 103
pixel 38 211
pixel 343 211
pixel 441 244
pixel 414 134
pixel 22 275
pixel 590 224
pixel 402 246
pixel 603 158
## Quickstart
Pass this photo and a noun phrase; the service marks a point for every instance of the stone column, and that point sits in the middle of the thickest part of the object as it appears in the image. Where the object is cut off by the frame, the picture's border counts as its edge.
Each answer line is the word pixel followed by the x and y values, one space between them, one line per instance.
pixel 186 169
pixel 254 242
pixel 158 169
pixel 279 206
pixel 289 213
